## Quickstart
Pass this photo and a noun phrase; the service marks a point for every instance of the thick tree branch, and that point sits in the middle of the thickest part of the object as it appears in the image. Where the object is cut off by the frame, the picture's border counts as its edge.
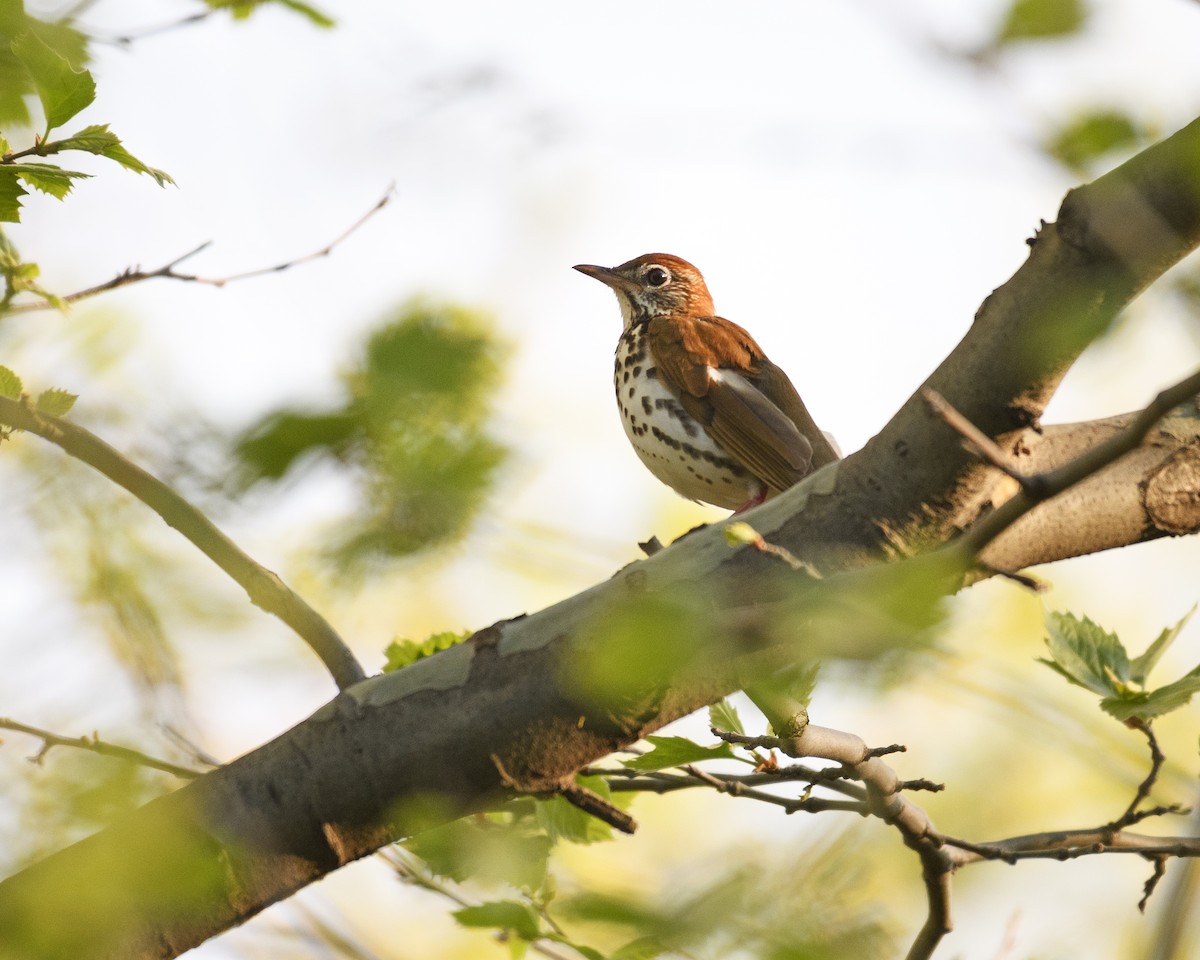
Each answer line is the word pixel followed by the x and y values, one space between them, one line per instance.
pixel 1151 492
pixel 394 754
pixel 265 588
pixel 1038 488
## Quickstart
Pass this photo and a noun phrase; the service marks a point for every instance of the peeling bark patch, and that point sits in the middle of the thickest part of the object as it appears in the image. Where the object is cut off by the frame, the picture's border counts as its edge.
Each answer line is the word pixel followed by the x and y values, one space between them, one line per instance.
pixel 447 670
pixel 334 840
pixel 1171 494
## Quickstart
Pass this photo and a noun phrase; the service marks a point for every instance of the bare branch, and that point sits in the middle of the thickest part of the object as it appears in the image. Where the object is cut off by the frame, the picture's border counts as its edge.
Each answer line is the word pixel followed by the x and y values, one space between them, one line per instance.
pixel 661 781
pixel 1037 489
pixel 128 39
pixel 595 805
pixel 94 744
pixel 1157 759
pixel 886 801
pixel 1069 845
pixel 168 271
pixel 265 588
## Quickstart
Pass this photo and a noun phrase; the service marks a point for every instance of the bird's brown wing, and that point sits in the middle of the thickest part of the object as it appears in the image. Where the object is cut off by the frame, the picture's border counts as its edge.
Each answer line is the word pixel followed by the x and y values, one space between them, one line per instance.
pixel 744 406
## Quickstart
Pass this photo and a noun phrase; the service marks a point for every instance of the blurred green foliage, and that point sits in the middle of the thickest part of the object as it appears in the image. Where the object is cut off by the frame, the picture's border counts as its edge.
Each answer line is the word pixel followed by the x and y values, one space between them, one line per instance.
pixel 240 9
pixel 744 907
pixel 73 794
pixel 1042 20
pixel 508 847
pixel 412 425
pixel 1091 137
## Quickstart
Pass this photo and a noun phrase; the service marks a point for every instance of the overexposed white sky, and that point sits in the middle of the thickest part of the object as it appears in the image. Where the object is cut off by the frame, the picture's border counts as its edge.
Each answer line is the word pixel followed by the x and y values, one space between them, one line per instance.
pixel 850 194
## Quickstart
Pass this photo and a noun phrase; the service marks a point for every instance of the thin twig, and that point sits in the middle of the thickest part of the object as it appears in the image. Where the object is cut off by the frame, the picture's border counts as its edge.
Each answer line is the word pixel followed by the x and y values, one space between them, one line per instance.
pixel 196 752
pixel 94 744
pixel 265 588
pixel 1068 845
pixel 789 805
pixel 596 806
pixel 661 781
pixel 128 39
pixel 1157 759
pixel 1026 580
pixel 984 445
pixel 168 270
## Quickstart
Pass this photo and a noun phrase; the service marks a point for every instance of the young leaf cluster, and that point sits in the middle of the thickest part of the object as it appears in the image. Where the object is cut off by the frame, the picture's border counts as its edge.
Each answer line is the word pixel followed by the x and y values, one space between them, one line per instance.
pixel 1089 656
pixel 54 402
pixel 402 651
pixel 64 88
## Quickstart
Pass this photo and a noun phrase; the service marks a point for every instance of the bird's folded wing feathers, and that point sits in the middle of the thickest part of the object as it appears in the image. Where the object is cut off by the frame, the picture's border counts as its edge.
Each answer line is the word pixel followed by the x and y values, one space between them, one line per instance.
pixel 756 432
pixel 741 415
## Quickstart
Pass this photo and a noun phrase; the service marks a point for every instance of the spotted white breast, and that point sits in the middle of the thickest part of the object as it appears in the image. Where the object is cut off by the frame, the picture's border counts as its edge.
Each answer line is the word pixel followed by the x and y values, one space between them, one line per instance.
pixel 669 441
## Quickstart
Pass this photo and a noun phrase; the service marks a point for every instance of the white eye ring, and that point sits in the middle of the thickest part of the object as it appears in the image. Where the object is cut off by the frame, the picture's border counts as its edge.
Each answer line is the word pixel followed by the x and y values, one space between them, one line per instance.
pixel 657 276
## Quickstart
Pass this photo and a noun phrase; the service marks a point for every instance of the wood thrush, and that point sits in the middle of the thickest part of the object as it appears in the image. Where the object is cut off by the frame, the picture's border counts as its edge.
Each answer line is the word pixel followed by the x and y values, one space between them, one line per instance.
pixel 704 408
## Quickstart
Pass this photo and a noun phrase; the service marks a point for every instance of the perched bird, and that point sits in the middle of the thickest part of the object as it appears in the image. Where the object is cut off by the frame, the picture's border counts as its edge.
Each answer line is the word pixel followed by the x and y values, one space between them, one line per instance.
pixel 704 408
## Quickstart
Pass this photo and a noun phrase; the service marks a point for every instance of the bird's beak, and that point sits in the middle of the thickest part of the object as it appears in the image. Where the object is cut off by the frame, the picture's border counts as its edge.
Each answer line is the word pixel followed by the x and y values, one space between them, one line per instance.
pixel 608 277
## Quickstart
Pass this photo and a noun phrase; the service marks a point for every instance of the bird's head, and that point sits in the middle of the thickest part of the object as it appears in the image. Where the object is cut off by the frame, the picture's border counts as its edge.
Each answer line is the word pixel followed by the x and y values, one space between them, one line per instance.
pixel 653 285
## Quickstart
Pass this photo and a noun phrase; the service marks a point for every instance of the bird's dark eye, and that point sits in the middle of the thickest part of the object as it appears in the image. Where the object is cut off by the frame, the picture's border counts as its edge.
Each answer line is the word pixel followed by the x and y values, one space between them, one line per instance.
pixel 657 276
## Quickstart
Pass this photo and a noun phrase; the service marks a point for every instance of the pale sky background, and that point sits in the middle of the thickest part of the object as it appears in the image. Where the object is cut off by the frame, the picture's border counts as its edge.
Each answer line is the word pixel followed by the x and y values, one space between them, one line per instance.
pixel 850 195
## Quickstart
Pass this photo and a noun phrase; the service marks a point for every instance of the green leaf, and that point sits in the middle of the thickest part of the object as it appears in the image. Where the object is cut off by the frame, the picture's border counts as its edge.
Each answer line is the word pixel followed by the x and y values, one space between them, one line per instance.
pixel 47 177
pixel 1042 20
pixel 241 9
pixel 315 16
pixel 723 716
pixel 130 162
pixel 1147 706
pixel 512 915
pixel 401 652
pixel 56 402
pixel 11 193
pixel 10 384
pixel 63 90
pixel 94 139
pixel 516 853
pixel 101 141
pixel 591 953
pixel 677 751
pixel 643 948
pixel 1093 135
pixel 1086 654
pixel 1140 667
